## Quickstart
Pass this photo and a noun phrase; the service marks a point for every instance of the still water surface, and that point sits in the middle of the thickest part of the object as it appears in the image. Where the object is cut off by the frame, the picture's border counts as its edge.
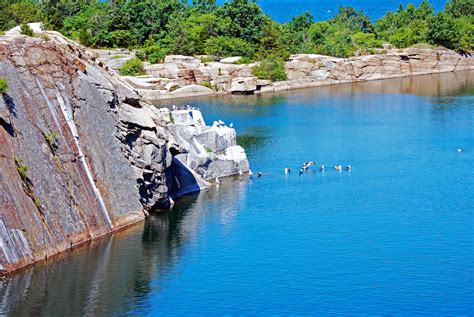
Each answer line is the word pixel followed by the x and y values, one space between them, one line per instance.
pixel 392 237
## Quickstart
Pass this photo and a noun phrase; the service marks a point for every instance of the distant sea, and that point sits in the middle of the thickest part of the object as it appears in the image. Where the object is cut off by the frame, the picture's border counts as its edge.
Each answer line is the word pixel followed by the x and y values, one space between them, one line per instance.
pixel 284 10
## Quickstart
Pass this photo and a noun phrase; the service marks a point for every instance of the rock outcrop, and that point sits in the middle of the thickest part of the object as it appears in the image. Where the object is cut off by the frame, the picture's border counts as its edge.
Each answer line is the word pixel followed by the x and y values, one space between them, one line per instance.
pixel 164 81
pixel 81 155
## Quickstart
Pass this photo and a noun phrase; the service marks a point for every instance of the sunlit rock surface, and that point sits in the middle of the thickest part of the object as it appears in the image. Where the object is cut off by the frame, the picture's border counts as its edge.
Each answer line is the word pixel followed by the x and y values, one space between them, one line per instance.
pixel 80 154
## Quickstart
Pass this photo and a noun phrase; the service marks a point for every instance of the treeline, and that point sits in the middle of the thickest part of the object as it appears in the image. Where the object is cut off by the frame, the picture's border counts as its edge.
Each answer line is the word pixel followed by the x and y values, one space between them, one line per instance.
pixel 239 27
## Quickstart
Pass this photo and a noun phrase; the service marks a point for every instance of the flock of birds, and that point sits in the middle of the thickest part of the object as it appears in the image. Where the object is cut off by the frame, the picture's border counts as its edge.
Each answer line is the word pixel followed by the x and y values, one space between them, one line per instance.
pixel 322 168
pixel 187 107
pixel 303 169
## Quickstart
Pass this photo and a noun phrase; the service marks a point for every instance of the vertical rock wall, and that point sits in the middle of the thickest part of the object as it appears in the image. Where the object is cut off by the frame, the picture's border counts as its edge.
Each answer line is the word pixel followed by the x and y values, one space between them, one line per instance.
pixel 80 155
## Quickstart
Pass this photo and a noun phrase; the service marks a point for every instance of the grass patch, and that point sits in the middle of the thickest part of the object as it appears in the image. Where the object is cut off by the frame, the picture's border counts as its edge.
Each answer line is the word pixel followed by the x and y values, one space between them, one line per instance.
pixel 21 169
pixel 3 85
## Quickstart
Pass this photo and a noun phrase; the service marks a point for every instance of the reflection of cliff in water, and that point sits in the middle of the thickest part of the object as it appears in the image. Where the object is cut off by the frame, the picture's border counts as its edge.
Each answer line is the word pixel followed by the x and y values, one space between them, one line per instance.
pixel 113 275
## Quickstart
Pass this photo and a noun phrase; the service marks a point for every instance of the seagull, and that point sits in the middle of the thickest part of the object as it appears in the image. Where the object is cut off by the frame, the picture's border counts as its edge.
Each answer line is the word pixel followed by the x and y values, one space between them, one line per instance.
pixel 250 172
pixel 338 167
pixel 231 125
pixel 241 173
pixel 459 150
pixel 218 181
pixel 321 169
pixel 221 123
pixel 259 174
pixel 307 165
pixel 287 170
pixel 301 171
pixel 348 168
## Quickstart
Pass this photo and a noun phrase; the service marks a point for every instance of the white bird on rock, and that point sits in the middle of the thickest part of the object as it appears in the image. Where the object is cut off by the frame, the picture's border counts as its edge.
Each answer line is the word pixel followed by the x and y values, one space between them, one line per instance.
pixel 218 181
pixel 338 167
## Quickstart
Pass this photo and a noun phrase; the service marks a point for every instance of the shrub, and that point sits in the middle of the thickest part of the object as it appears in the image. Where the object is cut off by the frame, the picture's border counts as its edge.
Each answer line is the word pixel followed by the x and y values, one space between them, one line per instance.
pixel 270 68
pixel 121 38
pixel 3 85
pixel 21 169
pixel 85 36
pixel 50 137
pixel 207 59
pixel 207 84
pixel 224 46
pixel 132 67
pixel 37 202
pixel 155 54
pixel 140 54
pixel 243 60
pixel 26 30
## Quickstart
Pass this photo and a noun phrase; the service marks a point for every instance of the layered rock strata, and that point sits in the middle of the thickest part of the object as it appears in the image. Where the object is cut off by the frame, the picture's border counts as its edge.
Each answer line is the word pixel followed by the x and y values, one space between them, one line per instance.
pixel 81 155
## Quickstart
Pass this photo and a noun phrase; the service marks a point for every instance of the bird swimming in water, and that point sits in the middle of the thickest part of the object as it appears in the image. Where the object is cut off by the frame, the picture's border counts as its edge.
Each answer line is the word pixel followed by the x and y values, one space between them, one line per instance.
pixel 301 171
pixel 218 181
pixel 348 168
pixel 321 169
pixel 338 167
pixel 459 150
pixel 307 165
pixel 259 174
pixel 287 170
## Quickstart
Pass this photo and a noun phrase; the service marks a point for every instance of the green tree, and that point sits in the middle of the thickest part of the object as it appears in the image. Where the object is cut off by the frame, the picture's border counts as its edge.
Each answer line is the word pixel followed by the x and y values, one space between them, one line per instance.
pixel 460 8
pixel 224 46
pixel 246 18
pixel 442 30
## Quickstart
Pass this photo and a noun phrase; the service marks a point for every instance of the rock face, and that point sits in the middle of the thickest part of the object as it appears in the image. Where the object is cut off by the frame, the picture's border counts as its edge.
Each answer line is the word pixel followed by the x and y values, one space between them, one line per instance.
pixel 304 70
pixel 81 155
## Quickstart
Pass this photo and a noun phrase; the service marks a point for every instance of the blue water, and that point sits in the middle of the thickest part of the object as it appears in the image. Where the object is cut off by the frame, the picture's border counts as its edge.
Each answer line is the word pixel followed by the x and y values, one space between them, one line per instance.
pixel 284 10
pixel 392 237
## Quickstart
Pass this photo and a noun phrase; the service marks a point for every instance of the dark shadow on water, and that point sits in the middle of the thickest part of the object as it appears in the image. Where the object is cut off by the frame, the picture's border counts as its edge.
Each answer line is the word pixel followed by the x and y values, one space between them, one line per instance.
pixel 118 273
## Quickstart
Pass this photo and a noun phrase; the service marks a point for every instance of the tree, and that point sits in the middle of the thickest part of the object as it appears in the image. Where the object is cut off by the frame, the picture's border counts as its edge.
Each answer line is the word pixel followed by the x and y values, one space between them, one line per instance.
pixel 355 21
pixel 460 8
pixel 442 31
pixel 246 18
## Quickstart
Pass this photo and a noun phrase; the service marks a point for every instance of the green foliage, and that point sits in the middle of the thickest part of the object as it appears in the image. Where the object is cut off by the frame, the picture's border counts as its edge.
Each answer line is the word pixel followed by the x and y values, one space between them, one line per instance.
pixel 21 169
pixel 50 137
pixel 26 30
pixel 243 60
pixel 209 150
pixel 207 84
pixel 155 54
pixel 171 118
pixel 37 202
pixel 132 67
pixel 270 68
pixel 224 46
pixel 460 8
pixel 239 27
pixel 3 85
pixel 207 59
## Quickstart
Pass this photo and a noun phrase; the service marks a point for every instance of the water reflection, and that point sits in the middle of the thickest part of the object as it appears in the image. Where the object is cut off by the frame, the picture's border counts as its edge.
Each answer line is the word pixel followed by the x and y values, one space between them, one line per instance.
pixel 117 274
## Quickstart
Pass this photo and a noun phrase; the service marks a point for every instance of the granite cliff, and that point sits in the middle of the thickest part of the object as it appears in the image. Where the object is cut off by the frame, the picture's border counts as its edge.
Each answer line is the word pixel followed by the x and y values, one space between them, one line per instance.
pixel 81 155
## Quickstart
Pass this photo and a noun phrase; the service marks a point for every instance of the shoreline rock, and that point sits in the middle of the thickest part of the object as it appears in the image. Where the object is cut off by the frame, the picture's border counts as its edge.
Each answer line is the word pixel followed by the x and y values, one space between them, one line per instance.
pixel 164 81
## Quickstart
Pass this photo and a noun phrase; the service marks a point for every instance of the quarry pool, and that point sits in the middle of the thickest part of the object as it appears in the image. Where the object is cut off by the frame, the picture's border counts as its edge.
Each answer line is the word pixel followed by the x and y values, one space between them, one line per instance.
pixel 392 236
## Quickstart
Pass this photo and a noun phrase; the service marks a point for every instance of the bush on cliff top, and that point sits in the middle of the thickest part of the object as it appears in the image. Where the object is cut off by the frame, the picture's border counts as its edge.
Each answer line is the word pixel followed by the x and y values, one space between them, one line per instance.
pixel 270 68
pixel 26 30
pixel 3 85
pixel 132 67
